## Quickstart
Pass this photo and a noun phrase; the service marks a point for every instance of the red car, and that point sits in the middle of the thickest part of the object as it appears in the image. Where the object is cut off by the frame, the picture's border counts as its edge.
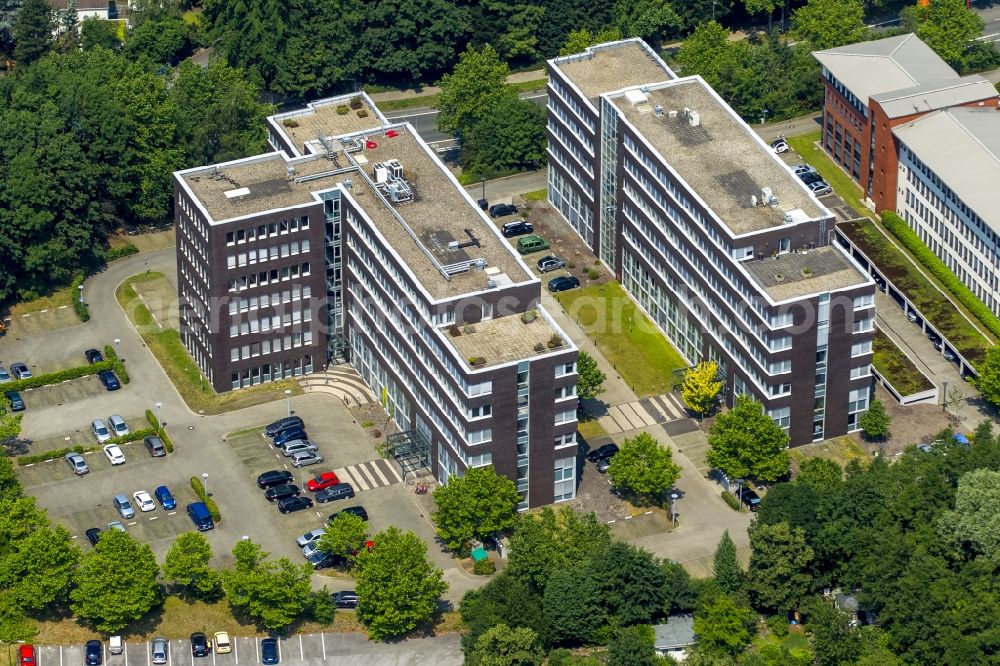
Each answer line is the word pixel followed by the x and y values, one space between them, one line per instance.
pixel 26 655
pixel 324 480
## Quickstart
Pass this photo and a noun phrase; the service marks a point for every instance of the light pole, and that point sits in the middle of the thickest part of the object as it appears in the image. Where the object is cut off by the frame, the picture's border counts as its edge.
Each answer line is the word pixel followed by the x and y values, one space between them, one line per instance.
pixel 204 482
pixel 673 509
pixel 944 398
pixel 159 421
pixel 288 401
pixel 118 351
pixel 484 188
pixel 739 492
pixel 713 10
pixel 81 293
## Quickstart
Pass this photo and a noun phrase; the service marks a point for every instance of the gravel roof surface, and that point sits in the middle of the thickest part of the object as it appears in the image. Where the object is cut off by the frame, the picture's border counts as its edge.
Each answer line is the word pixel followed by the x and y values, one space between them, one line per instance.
pixel 612 68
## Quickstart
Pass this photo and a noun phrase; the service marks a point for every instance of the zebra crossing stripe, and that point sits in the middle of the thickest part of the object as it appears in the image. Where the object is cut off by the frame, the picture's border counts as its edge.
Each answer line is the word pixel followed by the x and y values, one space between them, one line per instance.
pixel 375 468
pixel 392 469
pixel 369 477
pixel 342 474
pixel 358 477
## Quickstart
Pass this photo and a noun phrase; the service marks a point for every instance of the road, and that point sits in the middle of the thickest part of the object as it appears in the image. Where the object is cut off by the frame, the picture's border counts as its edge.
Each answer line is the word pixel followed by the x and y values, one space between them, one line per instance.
pixel 991 17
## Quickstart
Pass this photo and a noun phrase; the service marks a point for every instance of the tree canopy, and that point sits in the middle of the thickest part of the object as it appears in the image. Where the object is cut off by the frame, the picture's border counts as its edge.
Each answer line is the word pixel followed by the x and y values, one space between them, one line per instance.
pixel 345 536
pixel 826 24
pixel 746 443
pixel 475 505
pixel 273 592
pixel 115 583
pixel 948 27
pixel 643 467
pixel 187 565
pixel 590 378
pixel 701 387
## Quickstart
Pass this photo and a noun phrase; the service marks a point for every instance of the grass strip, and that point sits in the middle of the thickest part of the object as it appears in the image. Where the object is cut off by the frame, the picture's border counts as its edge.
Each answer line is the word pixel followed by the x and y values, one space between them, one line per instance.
pixel 806 146
pixel 896 367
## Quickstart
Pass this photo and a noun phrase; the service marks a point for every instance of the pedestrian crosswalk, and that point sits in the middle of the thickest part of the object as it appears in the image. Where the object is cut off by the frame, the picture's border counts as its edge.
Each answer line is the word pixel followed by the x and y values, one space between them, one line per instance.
pixel 642 413
pixel 368 475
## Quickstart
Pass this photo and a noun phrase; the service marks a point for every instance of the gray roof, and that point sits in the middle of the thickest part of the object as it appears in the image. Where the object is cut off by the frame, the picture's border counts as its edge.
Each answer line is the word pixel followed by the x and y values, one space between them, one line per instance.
pixel 935 95
pixel 676 632
pixel 870 68
pixel 962 146
pixel 612 66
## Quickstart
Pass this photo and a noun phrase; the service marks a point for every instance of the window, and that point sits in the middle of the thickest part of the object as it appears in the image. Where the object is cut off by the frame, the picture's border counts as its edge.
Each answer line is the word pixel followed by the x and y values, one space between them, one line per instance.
pixel 565 479
pixel 858 401
pixel 480 436
pixel 861 348
pixel 782 416
pixel 566 392
pixel 567 439
pixel 566 416
pixel 483 388
pixel 564 369
pixel 780 344
pixel 863 325
pixel 780 367
pixel 480 412
pixel 862 302
pixel 861 371
pixel 776 390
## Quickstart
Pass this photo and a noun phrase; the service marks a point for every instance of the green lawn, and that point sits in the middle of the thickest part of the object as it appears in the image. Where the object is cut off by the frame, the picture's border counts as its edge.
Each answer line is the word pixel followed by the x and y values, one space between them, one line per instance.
pixel 536 195
pixel 896 367
pixel 805 146
pixel 632 344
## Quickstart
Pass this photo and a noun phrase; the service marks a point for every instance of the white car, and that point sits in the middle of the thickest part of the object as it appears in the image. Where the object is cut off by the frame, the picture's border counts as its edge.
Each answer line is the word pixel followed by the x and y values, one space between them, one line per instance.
pixel 309 537
pixel 100 431
pixel 114 454
pixel 297 445
pixel 144 501
pixel 117 425
pixel 779 146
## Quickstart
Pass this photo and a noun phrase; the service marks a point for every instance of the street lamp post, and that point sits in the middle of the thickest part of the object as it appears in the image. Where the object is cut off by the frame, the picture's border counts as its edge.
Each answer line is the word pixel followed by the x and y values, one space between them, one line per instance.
pixel 204 482
pixel 673 509
pixel 158 419
pixel 81 293
pixel 288 401
pixel 739 492
pixel 118 351
pixel 484 188
pixel 944 398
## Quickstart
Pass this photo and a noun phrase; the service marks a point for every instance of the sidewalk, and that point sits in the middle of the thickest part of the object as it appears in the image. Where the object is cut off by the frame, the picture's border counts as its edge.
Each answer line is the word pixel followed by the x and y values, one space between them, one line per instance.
pixel 430 91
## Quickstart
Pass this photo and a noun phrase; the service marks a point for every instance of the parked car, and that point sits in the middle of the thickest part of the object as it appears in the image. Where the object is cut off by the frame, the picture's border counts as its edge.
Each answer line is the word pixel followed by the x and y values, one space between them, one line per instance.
pixel 550 262
pixel 289 435
pixel 123 506
pixel 779 146
pixel 110 380
pixel 93 356
pixel 163 496
pixel 100 431
pixel 26 654
pixel 306 458
pixel 949 355
pixel 309 537
pixel 20 371
pixel 297 445
pixel 911 316
pixel 322 560
pixel 93 535
pixel 605 451
pixel 926 448
pixel 273 429
pixel 281 492
pixel 345 599
pixel 4 375
pixel 337 492
pixel 820 188
pixel 358 511
pixel 93 653
pixel 200 645
pixel 144 501
pixel 200 516
pixel 155 446
pixel 603 464
pixel 310 549
pixel 500 210
pixel 116 525
pixel 274 478
pixel 117 425
pixel 750 498
pixel 563 283
pixel 15 399
pixel 114 454
pixel 115 645
pixel 802 168
pixel 529 244
pixel 269 651
pixel 76 463
pixel 296 503
pixel 223 644
pixel 158 651
pixel 321 481
pixel 518 228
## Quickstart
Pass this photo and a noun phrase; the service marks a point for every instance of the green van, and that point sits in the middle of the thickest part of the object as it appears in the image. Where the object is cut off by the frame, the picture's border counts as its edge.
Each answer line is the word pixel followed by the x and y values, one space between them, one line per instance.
pixel 529 244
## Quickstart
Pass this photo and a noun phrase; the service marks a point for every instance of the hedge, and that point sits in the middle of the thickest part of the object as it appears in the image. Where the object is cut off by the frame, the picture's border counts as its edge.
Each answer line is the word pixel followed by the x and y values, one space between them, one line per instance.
pixel 160 430
pixel 731 500
pixel 199 490
pixel 133 436
pixel 52 455
pixel 940 270
pixel 58 377
pixel 118 252
pixel 116 364
pixel 82 309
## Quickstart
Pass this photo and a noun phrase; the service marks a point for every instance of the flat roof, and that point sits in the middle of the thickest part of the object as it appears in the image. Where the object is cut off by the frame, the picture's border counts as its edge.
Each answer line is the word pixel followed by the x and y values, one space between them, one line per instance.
pixel 320 119
pixel 962 146
pixel 505 340
pixel 721 158
pixel 883 65
pixel 935 95
pixel 613 66
pixel 797 274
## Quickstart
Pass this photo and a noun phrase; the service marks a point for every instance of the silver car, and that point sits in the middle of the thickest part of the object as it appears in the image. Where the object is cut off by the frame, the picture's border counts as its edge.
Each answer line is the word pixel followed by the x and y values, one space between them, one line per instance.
pixel 100 431
pixel 76 463
pixel 4 375
pixel 159 651
pixel 117 425
pixel 304 458
pixel 296 446
pixel 310 537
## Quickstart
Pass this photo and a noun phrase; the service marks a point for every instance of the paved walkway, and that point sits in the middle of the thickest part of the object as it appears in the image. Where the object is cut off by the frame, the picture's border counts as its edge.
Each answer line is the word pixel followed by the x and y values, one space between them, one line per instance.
pixel 340 381
pixel 641 413
pixel 429 91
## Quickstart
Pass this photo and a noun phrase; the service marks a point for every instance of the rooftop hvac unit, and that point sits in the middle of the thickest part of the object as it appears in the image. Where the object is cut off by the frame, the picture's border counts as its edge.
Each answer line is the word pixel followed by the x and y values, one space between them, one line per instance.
pixel 694 119
pixel 672 113
pixel 635 97
pixel 381 173
pixel 658 110
pixel 395 168
pixel 399 191
pixel 753 199
pixel 767 197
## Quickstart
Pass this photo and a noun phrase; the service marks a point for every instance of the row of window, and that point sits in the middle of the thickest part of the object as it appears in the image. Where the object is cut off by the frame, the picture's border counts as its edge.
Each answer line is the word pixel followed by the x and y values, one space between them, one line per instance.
pixel 574 127
pixel 265 347
pixel 572 206
pixel 282 274
pixel 263 254
pixel 193 215
pixel 569 98
pixel 270 230
pixel 273 322
pixel 272 372
pixel 296 293
pixel 584 160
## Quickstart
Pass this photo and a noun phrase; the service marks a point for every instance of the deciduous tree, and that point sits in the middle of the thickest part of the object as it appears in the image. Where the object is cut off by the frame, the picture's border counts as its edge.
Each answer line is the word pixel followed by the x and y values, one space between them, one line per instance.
pixel 723 627
pixel 397 587
pixel 412 40
pixel 509 139
pixel 644 467
pixel 948 26
pixel 633 646
pixel 505 646
pixel 95 32
pixel 572 606
pixel 345 536
pixel 630 583
pixel 701 387
pixel 477 85
pixel 504 600
pixel 875 422
pixel 187 565
pixel 116 582
pixel 988 381
pixel 10 426
pixel 779 575
pixel 274 593
pixel 10 484
pixel 474 505
pixel 590 379
pixel 974 524
pixel 829 23
pixel 544 542
pixel 746 442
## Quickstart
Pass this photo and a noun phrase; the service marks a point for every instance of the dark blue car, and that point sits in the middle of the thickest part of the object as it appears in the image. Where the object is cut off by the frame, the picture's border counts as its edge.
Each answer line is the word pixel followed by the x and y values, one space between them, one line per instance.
pixel 164 497
pixel 16 402
pixel 269 651
pixel 110 380
pixel 289 435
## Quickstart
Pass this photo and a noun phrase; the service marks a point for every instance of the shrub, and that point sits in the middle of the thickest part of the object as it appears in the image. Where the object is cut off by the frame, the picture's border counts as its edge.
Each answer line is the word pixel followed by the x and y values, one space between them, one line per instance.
pixel 342 110
pixel 52 455
pixel 367 424
pixel 468 328
pixel 290 122
pixel 362 114
pixel 118 252
pixel 356 102
pixel 57 377
pixel 529 316
pixel 199 489
pixel 539 347
pixel 484 567
pixel 555 341
pixel 82 309
pixel 731 500
pixel 116 364
pixel 160 430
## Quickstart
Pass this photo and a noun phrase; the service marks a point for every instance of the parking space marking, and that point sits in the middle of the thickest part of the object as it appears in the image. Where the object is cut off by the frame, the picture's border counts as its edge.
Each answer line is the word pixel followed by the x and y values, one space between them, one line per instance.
pixel 149 658
pixel 375 469
pixel 152 517
pixel 125 652
pixel 302 654
pixel 236 650
pixel 322 640
pixel 172 513
pixel 60 655
pixel 256 645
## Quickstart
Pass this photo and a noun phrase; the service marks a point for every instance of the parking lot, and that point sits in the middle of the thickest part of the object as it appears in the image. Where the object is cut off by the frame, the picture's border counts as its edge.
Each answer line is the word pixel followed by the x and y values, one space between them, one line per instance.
pixel 56 395
pixel 81 435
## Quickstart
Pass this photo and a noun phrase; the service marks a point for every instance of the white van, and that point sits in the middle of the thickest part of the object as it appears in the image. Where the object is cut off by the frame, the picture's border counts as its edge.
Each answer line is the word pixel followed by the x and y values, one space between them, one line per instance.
pixel 115 645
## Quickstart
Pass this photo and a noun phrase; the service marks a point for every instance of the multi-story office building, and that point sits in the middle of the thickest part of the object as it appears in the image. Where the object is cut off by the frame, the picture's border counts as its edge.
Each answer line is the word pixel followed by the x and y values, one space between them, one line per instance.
pixel 949 167
pixel 872 87
pixel 353 239
pixel 713 235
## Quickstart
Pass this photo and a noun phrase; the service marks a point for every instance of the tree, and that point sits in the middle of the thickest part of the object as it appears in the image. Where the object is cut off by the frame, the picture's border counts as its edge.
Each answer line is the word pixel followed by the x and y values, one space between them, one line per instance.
pixel 546 541
pixel 273 593
pixel 826 24
pixel 680 593
pixel 517 24
pixel 412 40
pixel 701 387
pixel 723 627
pixel 630 583
pixel 633 646
pixel 746 442
pixel 69 29
pixel 875 422
pixel 726 568
pixel 947 26
pixel 652 20
pixel 974 524
pixel 10 426
pixel 474 505
pixel 590 379
pixel 187 565
pixel 8 15
pixel 643 467
pixel 116 582
pixel 164 40
pixel 345 536
pixel 505 646
pixel 477 85
pixel 779 575
pixel 579 40
pixel 33 31
pixel 95 32
pixel 504 600
pixel 10 484
pixel 572 606
pixel 761 7
pixel 834 641
pixel 398 588
pixel 988 381
pixel 510 139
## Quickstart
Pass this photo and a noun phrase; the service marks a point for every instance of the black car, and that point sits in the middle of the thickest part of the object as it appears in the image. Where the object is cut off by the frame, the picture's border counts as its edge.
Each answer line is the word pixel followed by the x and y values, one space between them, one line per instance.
pixel 295 503
pixel 274 478
pixel 499 210
pixel 602 452
pixel 288 435
pixel 750 498
pixel 269 651
pixel 281 492
pixel 810 177
pixel 93 535
pixel 345 599
pixel 563 283
pixel 110 380
pixel 93 356
pixel 16 402
pixel 358 511
pixel 518 228
pixel 323 560
pixel 93 653
pixel 337 492
pixel 273 429
pixel 200 647
pixel 603 464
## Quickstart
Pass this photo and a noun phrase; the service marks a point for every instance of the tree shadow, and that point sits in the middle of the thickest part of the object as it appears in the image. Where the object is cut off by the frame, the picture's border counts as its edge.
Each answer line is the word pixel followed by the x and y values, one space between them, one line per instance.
pixel 17 446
